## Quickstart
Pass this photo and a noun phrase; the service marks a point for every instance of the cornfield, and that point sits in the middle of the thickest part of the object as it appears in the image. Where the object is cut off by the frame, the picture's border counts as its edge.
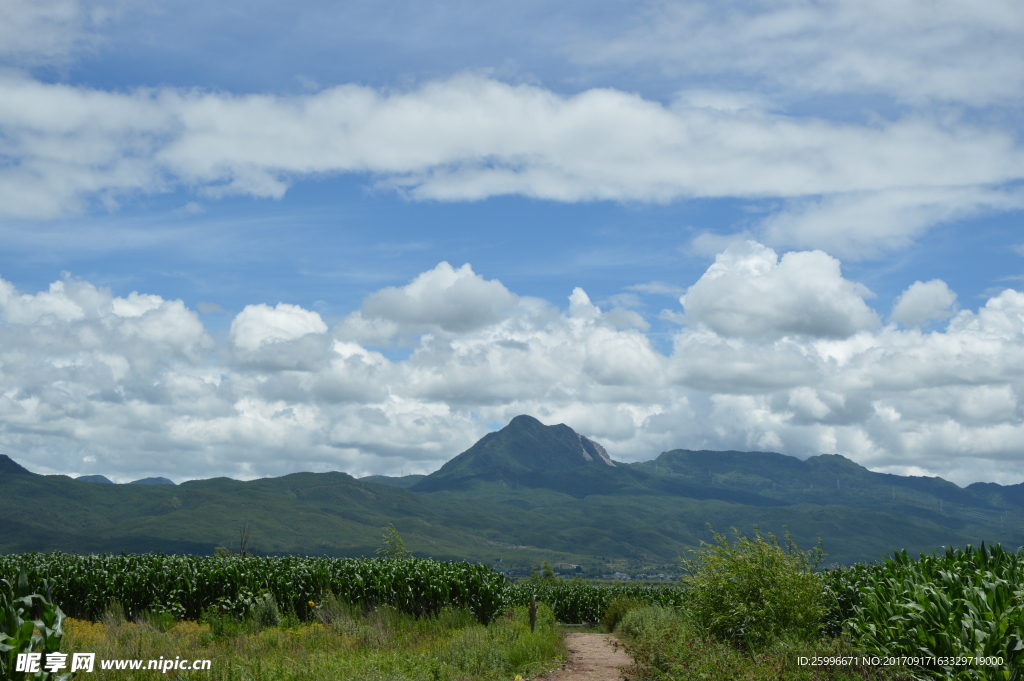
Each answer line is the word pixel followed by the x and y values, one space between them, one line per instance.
pixel 961 604
pixel 579 602
pixel 185 586
pixel 965 603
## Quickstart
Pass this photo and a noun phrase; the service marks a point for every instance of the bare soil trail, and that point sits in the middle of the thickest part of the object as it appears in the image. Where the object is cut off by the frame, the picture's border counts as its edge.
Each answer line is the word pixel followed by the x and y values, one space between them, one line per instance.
pixel 592 657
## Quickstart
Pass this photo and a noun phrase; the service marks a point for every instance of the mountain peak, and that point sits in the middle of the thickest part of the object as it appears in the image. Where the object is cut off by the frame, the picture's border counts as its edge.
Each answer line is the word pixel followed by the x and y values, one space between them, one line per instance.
pixel 525 447
pixel 9 466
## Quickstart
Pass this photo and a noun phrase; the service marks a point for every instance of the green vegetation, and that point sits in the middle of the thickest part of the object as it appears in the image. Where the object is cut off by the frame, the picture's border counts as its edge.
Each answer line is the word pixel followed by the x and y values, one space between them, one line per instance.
pixel 523 495
pixel 577 601
pixel 186 586
pixel 394 545
pixel 755 590
pixel 754 606
pixel 749 608
pixel 342 643
pixel 667 645
pixel 963 603
pixel 29 623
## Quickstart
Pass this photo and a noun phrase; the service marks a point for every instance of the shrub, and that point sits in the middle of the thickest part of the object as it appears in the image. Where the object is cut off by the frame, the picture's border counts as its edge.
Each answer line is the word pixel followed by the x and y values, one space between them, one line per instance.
pixel 754 590
pixel 265 612
pixel 617 607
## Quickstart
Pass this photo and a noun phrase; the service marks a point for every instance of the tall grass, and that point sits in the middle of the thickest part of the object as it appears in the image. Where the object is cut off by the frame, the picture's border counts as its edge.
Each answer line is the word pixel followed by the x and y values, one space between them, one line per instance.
pixel 382 644
pixel 667 645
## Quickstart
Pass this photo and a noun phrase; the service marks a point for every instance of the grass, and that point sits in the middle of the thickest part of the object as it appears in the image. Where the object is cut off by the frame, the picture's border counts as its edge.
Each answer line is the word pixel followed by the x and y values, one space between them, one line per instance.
pixel 668 646
pixel 753 611
pixel 383 644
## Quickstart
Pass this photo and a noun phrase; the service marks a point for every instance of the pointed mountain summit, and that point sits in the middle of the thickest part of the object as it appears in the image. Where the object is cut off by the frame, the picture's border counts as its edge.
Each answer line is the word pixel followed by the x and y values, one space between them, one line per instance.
pixel 523 453
pixel 9 466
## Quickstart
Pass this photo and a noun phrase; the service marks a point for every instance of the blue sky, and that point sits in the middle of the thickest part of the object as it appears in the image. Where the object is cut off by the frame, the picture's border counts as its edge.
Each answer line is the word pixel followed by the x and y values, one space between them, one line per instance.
pixel 236 235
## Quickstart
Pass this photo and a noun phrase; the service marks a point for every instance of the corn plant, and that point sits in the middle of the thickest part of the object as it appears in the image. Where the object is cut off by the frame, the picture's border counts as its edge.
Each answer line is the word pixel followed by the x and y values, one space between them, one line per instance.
pixel 965 603
pixel 20 633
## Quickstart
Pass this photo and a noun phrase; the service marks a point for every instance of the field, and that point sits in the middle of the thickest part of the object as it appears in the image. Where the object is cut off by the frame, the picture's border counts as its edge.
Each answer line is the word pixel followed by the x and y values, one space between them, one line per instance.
pixel 751 604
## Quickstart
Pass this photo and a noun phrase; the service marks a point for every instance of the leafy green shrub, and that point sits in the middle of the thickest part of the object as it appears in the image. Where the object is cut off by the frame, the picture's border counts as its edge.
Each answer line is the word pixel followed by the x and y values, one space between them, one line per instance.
pixel 617 607
pixel 330 609
pixel 222 624
pixel 755 590
pixel 265 612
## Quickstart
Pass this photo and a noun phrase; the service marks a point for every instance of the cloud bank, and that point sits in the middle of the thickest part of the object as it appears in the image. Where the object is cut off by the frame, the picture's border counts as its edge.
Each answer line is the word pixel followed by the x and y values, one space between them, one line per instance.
pixel 767 359
pixel 469 137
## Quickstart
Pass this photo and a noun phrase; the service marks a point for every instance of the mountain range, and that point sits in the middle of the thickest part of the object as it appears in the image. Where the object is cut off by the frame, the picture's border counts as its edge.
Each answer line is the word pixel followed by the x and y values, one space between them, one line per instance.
pixel 523 494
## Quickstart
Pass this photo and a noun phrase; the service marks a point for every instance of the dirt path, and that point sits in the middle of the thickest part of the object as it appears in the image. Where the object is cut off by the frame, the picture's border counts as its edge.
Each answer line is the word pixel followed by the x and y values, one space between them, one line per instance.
pixel 592 657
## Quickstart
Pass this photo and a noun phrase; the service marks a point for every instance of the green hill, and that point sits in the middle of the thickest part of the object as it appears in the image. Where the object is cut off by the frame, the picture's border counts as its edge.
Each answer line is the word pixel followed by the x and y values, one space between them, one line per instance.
pixel 524 494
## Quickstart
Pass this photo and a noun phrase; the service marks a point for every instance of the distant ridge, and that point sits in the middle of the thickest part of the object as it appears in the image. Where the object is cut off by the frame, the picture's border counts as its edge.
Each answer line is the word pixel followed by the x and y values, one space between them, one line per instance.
pixel 526 493
pixel 95 478
pixel 152 481
pixel 403 482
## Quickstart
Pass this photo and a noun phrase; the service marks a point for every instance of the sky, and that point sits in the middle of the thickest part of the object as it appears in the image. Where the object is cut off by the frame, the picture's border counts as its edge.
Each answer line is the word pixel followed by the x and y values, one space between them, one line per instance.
pixel 250 239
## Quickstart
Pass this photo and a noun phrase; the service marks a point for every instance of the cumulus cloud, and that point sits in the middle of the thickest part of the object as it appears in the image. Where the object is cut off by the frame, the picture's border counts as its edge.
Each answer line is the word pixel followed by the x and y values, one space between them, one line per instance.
pixel 281 337
pixel 258 325
pixel 443 299
pixel 750 293
pixel 470 137
pixel 924 302
pixel 776 353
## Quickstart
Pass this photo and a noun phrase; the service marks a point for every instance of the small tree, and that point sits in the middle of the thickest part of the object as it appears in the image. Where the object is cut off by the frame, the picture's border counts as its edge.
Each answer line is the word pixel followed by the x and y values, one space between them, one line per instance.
pixel 545 576
pixel 394 546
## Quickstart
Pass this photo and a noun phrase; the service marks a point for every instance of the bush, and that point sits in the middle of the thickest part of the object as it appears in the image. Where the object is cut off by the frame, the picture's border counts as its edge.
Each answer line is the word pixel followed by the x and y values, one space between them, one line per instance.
pixel 265 611
pixel 755 590
pixel 617 607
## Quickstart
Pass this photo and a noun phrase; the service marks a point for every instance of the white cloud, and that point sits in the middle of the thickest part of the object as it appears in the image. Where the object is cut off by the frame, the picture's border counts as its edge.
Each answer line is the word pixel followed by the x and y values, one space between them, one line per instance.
pixel 854 188
pixel 261 324
pixel 924 302
pixel 784 355
pixel 912 50
pixel 864 224
pixel 443 299
pixel 749 293
pixel 41 31
pixel 657 288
